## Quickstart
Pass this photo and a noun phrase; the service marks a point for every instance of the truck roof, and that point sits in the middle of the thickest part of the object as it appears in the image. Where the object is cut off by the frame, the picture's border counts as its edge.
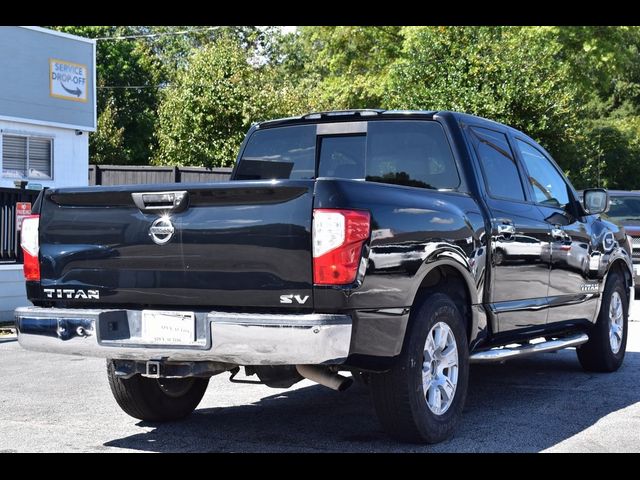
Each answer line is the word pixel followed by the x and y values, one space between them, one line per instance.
pixel 381 114
pixel 370 114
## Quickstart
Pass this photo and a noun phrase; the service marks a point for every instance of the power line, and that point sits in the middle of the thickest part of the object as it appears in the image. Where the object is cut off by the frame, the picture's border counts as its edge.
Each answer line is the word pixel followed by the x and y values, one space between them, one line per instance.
pixel 114 87
pixel 159 34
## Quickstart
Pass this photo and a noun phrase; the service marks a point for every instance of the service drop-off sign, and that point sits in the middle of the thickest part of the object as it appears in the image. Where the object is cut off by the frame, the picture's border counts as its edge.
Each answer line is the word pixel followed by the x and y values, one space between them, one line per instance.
pixel 68 80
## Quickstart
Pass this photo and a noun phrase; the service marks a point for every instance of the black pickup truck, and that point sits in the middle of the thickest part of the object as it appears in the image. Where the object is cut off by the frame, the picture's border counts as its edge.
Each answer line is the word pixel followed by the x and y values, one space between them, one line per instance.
pixel 398 246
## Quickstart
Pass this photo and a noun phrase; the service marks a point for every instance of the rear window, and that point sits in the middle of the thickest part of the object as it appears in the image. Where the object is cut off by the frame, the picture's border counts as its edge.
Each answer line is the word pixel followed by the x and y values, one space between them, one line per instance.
pixel 342 156
pixel 412 153
pixel 285 152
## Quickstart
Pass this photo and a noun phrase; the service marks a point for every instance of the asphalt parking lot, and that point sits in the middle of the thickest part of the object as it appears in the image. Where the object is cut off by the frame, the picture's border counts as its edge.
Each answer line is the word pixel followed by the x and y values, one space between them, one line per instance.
pixel 54 403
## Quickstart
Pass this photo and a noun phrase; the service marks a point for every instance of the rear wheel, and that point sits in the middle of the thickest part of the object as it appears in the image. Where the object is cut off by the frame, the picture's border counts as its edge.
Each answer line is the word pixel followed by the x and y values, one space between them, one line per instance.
pixel 604 352
pixel 421 398
pixel 156 399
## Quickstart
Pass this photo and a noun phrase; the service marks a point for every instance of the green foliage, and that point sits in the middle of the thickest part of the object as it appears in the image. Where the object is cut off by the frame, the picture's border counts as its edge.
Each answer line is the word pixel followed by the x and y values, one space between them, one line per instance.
pixel 125 63
pixel 576 90
pixel 201 117
pixel 604 66
pixel 107 143
pixel 508 74
pixel 599 57
pixel 344 66
pixel 172 47
pixel 213 101
pixel 611 152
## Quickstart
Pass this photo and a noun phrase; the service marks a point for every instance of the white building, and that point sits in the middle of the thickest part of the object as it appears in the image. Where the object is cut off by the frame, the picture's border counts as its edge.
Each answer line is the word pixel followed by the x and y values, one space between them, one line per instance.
pixel 44 155
pixel 47 109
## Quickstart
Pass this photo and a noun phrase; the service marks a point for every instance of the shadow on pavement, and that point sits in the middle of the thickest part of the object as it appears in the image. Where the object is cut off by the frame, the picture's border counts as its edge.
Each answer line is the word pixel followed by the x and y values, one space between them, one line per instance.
pixel 523 405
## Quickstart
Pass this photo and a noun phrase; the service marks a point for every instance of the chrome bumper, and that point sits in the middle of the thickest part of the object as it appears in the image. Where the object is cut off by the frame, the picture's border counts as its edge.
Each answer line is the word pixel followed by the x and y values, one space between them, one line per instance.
pixel 237 338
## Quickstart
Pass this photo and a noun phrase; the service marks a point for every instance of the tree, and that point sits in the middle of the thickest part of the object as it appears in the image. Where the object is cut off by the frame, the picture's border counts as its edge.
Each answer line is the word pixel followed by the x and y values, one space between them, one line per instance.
pixel 107 142
pixel 212 102
pixel 128 75
pixel 172 45
pixel 187 95
pixel 604 65
pixel 508 74
pixel 132 72
pixel 610 154
pixel 340 66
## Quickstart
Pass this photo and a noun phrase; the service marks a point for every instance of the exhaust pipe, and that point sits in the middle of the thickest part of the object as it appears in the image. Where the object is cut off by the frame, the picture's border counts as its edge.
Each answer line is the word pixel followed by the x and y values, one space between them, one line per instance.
pixel 324 377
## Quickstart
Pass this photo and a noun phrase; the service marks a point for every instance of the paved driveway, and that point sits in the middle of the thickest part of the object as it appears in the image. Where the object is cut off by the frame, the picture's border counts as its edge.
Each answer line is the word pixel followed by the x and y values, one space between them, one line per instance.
pixel 543 403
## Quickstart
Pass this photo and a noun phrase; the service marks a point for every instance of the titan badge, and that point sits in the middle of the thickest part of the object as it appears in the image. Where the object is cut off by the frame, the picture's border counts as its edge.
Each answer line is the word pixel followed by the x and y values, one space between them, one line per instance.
pixel 71 293
pixel 161 230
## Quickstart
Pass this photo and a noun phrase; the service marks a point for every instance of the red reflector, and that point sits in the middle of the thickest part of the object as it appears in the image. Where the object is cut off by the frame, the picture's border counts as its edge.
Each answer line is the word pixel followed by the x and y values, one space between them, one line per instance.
pixel 31 267
pixel 338 244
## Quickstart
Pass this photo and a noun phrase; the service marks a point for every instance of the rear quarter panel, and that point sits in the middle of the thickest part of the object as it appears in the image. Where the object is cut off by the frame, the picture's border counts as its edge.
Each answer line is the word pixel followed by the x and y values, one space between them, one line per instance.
pixel 413 230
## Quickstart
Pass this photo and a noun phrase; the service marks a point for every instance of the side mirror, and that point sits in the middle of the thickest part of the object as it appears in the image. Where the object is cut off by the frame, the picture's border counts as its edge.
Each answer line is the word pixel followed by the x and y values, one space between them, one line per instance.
pixel 595 200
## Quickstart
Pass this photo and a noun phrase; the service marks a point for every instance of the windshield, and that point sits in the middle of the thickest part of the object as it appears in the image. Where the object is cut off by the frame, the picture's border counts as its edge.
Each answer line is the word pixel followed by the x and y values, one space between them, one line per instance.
pixel 624 209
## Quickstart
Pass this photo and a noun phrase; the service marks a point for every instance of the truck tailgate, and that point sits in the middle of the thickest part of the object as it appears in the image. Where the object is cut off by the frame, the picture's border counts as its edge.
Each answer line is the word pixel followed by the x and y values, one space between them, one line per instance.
pixel 239 244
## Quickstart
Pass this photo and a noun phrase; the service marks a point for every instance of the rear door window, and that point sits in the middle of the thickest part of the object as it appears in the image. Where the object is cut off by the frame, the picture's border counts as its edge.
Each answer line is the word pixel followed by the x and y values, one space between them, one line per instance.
pixel 411 153
pixel 498 164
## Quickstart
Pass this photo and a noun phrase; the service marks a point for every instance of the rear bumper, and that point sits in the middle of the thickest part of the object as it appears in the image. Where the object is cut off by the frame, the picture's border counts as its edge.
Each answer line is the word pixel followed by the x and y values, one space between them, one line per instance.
pixel 237 338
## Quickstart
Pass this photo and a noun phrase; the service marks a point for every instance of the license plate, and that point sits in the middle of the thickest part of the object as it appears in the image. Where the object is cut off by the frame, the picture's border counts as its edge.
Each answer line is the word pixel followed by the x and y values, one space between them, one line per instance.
pixel 168 328
pixel 637 269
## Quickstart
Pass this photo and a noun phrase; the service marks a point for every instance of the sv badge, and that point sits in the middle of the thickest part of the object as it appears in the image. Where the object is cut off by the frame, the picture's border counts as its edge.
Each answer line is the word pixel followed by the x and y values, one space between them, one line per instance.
pixel 298 298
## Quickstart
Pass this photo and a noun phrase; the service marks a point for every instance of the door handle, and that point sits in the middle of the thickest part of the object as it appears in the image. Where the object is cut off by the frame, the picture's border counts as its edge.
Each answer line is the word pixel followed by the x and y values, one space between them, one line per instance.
pixel 157 202
pixel 506 229
pixel 558 233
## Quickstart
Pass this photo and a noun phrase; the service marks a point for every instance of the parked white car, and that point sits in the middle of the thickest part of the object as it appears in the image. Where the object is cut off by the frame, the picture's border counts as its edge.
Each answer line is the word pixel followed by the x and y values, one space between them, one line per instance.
pixel 517 247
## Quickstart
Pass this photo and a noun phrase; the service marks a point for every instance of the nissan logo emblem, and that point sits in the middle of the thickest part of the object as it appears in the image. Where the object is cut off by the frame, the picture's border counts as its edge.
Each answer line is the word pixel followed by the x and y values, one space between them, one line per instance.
pixel 161 230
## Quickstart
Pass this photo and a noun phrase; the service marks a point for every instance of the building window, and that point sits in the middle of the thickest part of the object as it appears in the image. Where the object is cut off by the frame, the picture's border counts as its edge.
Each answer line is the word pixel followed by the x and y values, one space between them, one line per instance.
pixel 26 157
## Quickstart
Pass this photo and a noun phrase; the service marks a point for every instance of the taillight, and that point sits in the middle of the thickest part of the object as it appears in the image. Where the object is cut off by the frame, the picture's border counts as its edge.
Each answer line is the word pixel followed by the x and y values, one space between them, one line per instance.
pixel 30 247
pixel 338 237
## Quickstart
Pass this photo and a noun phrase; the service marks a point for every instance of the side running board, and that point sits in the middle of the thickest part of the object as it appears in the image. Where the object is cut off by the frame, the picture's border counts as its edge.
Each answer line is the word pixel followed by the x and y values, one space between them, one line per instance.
pixel 506 353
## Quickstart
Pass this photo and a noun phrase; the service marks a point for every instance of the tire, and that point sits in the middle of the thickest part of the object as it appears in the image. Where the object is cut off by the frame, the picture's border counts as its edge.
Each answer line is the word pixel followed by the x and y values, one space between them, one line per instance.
pixel 498 256
pixel 156 400
pixel 399 396
pixel 598 354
